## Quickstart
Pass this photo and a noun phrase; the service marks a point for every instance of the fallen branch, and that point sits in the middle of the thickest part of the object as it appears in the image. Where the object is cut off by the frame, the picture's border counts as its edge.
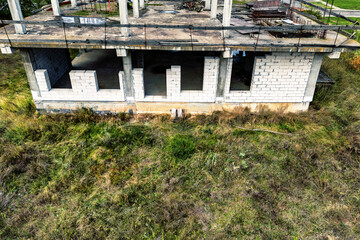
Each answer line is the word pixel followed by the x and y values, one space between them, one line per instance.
pixel 264 130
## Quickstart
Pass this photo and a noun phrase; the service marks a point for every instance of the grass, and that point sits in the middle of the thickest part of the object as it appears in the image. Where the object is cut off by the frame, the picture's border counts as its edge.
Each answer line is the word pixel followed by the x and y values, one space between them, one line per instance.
pixel 348 4
pixel 345 4
pixel 89 176
pixel 241 2
pixel 340 21
pixel 321 4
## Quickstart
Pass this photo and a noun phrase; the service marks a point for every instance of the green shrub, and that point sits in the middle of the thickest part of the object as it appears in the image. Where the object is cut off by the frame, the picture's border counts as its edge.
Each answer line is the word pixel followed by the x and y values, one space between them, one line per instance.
pixel 315 13
pixel 182 146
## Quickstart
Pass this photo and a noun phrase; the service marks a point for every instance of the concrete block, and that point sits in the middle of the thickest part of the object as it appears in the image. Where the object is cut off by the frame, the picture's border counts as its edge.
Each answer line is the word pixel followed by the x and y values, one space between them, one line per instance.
pixel 7 50
pixel 334 55
pixel 180 113
pixel 173 113
pixel 43 80
pixel 121 52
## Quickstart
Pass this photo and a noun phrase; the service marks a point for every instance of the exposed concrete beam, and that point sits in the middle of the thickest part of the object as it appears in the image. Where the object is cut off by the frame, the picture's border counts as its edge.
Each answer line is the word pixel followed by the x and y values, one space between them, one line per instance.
pixel 17 15
pixel 313 76
pixel 214 6
pixel 142 4
pixel 73 3
pixel 227 15
pixel 55 7
pixel 123 10
pixel 228 53
pixel 136 13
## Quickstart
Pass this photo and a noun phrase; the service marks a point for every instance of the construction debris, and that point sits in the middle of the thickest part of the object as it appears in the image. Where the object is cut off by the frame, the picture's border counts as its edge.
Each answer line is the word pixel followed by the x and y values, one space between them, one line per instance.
pixel 192 5
pixel 269 9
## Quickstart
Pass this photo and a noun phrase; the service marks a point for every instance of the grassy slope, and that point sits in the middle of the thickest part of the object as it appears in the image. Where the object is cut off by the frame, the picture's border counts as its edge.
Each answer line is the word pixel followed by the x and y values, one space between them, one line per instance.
pixel 94 177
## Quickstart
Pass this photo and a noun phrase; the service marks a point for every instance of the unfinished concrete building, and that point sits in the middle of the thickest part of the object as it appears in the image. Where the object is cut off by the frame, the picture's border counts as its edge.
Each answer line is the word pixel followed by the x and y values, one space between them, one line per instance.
pixel 164 55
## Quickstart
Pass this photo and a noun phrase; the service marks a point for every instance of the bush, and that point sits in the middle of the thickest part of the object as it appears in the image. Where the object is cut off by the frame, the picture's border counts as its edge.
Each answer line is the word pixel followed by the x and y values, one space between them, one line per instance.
pixel 315 13
pixel 355 62
pixel 182 146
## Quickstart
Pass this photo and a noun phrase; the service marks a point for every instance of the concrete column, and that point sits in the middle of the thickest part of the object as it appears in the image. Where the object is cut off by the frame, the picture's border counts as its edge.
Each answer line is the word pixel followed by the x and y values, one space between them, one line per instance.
pixel 55 7
pixel 207 4
pixel 124 17
pixel 313 76
pixel 227 15
pixel 214 6
pixel 225 71
pixel 16 15
pixel 73 3
pixel 30 68
pixel 128 83
pixel 142 4
pixel 136 8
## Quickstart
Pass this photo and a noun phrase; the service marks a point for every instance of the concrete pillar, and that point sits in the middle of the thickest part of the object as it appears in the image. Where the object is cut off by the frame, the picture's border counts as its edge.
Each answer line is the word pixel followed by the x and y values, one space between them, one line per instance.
pixel 30 68
pixel 128 84
pixel 313 76
pixel 73 3
pixel 214 6
pixel 16 15
pixel 142 4
pixel 136 8
pixel 124 17
pixel 55 7
pixel 225 71
pixel 227 16
pixel 207 4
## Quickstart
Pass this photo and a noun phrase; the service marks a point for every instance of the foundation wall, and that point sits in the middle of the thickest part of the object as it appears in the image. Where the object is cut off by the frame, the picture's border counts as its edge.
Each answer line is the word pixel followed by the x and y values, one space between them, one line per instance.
pixel 280 77
pixel 164 107
pixel 279 83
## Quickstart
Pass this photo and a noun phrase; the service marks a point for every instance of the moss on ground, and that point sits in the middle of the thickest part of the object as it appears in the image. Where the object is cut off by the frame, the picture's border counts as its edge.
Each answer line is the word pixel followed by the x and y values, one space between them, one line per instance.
pixel 89 176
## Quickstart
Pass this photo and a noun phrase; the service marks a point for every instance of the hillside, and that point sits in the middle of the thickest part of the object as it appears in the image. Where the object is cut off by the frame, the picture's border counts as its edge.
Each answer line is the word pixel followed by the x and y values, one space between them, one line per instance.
pixel 89 176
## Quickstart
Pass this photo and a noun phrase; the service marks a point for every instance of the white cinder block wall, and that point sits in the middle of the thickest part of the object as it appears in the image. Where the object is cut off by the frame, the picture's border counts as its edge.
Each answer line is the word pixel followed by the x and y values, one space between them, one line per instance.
pixel 84 88
pixel 173 84
pixel 279 77
pixel 84 81
pixel 138 82
pixel 210 79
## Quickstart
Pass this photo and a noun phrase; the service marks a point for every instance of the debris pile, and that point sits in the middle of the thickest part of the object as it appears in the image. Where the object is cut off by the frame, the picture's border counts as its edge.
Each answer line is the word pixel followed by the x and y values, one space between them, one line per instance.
pixel 269 9
pixel 192 5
